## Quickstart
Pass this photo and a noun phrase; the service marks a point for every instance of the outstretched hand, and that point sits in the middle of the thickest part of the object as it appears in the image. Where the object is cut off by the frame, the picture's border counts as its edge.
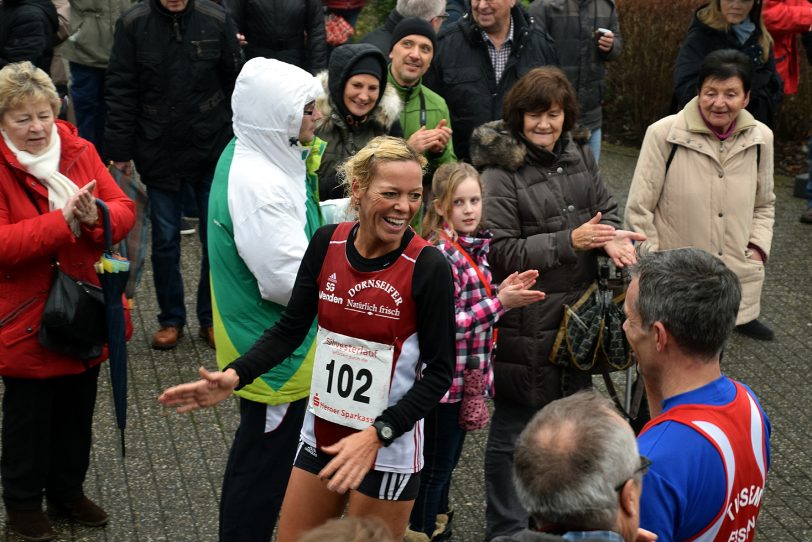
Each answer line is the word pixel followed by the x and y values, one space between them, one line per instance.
pixel 354 457
pixel 645 536
pixel 621 248
pixel 514 292
pixel 211 389
pixel 592 234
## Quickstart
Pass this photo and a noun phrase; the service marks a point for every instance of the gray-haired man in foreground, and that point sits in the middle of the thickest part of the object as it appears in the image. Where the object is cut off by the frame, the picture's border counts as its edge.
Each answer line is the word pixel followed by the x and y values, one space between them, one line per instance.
pixel 579 474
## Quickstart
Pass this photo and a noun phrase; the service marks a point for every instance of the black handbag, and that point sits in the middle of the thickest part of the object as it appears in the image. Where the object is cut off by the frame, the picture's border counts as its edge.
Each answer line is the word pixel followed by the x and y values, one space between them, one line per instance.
pixel 73 322
pixel 74 319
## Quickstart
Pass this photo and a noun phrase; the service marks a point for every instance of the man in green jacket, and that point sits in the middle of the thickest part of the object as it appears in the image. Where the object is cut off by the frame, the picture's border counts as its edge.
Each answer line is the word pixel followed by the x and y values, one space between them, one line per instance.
pixel 424 118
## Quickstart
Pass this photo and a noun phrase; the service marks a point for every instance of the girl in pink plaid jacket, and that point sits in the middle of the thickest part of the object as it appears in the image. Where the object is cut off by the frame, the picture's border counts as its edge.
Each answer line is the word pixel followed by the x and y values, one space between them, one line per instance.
pixel 452 223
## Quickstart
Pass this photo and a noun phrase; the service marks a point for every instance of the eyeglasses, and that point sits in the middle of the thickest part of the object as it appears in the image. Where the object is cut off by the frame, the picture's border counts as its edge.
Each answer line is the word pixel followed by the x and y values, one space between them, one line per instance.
pixel 443 16
pixel 645 463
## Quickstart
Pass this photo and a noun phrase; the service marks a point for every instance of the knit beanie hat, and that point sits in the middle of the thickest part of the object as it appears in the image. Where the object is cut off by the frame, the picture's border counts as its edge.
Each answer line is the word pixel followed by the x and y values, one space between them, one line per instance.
pixel 413 25
pixel 368 65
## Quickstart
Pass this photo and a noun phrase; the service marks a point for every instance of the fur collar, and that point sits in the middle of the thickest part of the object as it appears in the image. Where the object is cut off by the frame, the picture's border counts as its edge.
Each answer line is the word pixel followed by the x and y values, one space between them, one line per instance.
pixel 385 113
pixel 493 145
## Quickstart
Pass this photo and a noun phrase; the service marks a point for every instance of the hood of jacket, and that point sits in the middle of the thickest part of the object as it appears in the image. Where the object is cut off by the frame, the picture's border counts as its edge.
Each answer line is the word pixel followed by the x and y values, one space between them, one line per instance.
pixel 342 60
pixel 268 101
pixel 385 113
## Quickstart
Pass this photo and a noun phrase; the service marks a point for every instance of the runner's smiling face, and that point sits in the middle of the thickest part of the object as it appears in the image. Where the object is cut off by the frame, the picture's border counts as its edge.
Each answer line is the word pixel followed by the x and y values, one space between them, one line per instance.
pixel 386 206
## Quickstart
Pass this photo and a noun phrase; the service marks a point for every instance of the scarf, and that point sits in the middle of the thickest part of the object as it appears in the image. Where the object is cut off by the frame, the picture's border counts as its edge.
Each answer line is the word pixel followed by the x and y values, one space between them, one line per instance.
pixel 743 30
pixel 45 167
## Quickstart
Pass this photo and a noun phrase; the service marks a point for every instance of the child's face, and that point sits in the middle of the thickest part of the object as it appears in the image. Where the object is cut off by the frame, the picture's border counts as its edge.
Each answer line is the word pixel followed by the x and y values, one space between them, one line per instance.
pixel 466 208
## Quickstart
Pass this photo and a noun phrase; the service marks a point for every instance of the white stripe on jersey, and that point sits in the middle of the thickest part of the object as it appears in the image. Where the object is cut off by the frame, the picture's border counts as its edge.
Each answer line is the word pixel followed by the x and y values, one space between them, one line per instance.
pixel 729 458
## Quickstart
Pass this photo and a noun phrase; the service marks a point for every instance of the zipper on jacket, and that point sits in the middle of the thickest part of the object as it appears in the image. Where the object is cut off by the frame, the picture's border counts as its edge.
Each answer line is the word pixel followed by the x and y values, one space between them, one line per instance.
pixel 16 312
pixel 176 28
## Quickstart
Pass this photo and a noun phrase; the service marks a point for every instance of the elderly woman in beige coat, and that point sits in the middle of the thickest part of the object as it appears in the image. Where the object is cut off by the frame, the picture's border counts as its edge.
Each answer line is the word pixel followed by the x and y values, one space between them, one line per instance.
pixel 705 179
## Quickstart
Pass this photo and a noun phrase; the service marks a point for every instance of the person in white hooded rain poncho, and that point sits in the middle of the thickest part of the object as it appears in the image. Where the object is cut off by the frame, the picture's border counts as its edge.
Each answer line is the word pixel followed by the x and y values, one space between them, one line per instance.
pixel 263 209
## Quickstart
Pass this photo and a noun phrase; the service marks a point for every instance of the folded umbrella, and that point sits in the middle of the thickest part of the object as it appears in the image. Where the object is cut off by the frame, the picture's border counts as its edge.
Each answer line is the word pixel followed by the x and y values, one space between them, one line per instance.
pixel 134 246
pixel 114 272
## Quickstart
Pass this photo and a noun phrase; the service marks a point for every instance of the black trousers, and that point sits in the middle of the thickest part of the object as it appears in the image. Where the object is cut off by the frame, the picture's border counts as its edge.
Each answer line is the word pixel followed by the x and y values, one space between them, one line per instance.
pixel 46 438
pixel 257 472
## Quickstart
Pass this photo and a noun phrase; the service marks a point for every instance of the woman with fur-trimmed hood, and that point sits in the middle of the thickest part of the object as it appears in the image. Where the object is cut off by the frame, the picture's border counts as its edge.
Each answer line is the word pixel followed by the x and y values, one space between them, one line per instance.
pixel 357 106
pixel 548 210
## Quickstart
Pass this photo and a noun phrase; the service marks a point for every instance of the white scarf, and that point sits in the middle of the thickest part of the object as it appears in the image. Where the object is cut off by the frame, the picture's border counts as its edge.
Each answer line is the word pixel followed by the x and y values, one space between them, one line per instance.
pixel 45 167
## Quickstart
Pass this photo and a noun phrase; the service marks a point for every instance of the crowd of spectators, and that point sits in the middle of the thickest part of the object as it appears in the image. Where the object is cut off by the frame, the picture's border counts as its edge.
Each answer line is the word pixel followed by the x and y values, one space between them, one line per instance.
pixel 264 111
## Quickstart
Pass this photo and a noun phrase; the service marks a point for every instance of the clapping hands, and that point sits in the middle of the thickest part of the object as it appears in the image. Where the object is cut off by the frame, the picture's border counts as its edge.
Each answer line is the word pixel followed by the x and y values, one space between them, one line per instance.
pixel 82 206
pixel 514 292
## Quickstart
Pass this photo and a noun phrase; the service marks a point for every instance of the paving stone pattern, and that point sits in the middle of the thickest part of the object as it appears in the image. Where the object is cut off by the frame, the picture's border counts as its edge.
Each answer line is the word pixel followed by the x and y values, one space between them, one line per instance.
pixel 167 487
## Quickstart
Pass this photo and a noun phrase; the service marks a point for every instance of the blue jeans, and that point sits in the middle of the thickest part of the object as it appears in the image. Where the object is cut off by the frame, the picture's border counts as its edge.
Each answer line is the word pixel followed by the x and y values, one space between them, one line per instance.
pixel 441 452
pixel 595 144
pixel 87 93
pixel 165 214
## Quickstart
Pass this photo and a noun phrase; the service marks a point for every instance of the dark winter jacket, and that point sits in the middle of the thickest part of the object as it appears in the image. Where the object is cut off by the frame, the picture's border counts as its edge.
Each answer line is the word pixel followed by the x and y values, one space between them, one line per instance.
pixel 572 25
pixel 532 205
pixel 462 73
pixel 288 30
pixel 27 30
pixel 28 238
pixel 381 37
pixel 168 90
pixel 344 134
pixel 767 87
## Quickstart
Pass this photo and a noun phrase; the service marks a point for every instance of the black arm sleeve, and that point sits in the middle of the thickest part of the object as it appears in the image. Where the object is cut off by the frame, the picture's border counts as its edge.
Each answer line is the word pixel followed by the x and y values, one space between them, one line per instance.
pixel 316 43
pixel 433 292
pixel 279 341
pixel 121 96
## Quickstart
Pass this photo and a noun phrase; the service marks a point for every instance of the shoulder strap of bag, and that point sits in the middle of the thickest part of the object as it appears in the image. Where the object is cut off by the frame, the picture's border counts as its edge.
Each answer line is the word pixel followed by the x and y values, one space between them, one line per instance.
pixel 485 282
pixel 471 261
pixel 674 151
pixel 670 157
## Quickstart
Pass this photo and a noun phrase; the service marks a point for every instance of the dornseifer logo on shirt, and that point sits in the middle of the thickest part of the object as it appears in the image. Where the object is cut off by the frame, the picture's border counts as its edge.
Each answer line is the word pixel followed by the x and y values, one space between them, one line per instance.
pixel 351 376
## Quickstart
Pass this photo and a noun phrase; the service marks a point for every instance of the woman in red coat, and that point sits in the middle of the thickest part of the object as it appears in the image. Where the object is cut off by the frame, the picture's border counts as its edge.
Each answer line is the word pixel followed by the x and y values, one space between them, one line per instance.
pixel 49 179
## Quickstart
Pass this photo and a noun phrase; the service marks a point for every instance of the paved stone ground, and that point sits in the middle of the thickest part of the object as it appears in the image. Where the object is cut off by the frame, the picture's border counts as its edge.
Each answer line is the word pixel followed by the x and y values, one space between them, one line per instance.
pixel 167 487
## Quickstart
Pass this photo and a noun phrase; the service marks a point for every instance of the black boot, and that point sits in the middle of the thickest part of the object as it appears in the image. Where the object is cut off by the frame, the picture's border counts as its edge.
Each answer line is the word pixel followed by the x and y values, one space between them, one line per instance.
pixel 756 330
pixel 82 511
pixel 31 525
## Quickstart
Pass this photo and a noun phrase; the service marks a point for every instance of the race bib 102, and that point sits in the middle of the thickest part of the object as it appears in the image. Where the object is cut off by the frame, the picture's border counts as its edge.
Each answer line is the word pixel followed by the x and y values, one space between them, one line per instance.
pixel 351 376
